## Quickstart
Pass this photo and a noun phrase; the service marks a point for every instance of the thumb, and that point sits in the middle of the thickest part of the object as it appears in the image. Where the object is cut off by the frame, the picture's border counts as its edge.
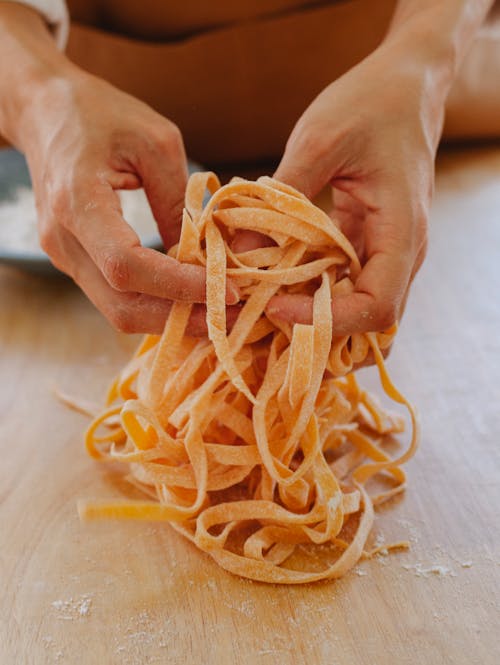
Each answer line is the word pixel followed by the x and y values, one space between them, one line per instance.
pixel 308 161
pixel 163 170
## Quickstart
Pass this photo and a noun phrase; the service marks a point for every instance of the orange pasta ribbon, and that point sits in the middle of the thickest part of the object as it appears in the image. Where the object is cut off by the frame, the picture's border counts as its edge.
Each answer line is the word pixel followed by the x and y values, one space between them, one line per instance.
pixel 257 445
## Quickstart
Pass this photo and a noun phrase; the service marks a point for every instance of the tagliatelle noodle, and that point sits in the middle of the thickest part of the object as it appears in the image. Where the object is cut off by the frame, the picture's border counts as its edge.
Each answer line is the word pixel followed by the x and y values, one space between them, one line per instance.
pixel 258 442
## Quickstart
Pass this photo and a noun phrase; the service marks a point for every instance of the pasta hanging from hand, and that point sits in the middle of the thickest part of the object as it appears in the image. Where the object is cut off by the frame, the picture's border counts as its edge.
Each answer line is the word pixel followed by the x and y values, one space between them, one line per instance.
pixel 258 441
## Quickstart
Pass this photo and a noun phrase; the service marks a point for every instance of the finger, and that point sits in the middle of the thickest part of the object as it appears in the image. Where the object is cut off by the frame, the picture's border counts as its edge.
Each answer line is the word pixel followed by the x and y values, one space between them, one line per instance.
pixel 124 180
pixel 291 308
pixel 162 165
pixel 374 305
pixel 299 177
pixel 391 249
pixel 127 266
pixel 344 202
pixel 197 326
pixel 127 312
pixel 350 215
pixel 354 231
pixel 245 241
pixel 309 160
pixel 371 310
pixel 299 309
pixel 348 212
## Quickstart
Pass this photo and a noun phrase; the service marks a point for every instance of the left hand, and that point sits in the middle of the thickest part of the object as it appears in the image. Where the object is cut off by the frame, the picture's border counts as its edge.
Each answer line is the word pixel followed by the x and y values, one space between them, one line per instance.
pixel 372 135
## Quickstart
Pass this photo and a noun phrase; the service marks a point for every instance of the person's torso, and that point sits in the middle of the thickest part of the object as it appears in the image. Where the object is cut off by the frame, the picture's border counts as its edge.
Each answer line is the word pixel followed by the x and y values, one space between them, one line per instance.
pixel 159 20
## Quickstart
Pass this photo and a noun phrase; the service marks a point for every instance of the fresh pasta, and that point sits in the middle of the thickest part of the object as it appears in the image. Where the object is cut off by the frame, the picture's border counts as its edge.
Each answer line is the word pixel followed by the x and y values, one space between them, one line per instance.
pixel 257 443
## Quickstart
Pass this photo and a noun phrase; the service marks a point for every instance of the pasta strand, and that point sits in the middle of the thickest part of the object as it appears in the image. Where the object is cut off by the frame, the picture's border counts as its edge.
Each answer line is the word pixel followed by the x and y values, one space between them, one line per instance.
pixel 256 443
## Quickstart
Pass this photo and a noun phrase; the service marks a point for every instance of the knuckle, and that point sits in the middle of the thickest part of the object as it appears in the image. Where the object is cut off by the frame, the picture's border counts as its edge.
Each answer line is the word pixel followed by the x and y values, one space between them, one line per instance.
pixel 169 139
pixel 121 319
pixel 59 200
pixel 53 246
pixel 59 260
pixel 311 138
pixel 386 315
pixel 59 207
pixel 116 270
pixel 48 238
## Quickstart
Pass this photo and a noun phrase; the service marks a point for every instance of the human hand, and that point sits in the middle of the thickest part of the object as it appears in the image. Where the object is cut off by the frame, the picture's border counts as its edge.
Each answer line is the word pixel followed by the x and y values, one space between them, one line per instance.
pixel 372 135
pixel 86 140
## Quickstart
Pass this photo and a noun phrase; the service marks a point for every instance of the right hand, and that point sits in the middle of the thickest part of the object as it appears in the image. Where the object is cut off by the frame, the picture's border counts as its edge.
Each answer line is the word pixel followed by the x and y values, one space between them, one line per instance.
pixel 84 140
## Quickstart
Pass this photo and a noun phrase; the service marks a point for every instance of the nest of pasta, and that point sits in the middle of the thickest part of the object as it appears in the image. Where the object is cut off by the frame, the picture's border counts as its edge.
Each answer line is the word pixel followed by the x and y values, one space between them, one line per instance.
pixel 258 442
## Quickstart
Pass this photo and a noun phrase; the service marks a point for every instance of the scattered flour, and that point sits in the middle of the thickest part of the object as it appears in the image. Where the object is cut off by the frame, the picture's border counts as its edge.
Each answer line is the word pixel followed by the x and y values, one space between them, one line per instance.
pixel 271 652
pixel 410 528
pixel 247 608
pixel 73 608
pixel 47 641
pixel 141 637
pixel 378 542
pixel 422 571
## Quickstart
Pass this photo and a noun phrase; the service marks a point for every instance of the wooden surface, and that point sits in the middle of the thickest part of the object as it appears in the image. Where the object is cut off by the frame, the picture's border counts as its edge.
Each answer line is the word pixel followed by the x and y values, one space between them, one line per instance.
pixel 136 593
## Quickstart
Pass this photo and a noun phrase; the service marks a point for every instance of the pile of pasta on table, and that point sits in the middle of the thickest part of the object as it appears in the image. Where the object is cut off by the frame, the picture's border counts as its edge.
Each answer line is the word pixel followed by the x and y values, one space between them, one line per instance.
pixel 257 444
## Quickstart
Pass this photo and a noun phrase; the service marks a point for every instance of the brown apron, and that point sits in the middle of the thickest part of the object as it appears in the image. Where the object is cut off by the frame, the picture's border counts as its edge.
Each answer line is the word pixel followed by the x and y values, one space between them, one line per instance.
pixel 234 76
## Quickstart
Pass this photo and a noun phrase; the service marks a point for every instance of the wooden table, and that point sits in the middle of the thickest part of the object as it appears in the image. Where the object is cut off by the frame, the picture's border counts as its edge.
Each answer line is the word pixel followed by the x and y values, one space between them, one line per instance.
pixel 129 593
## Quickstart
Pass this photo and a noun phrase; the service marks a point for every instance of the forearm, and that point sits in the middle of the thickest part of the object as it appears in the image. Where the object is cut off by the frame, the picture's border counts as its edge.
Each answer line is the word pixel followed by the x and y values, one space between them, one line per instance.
pixel 29 61
pixel 439 32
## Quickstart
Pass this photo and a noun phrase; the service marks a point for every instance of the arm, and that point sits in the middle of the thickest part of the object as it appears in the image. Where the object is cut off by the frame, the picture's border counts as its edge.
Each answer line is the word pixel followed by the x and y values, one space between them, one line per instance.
pixel 448 27
pixel 373 135
pixel 84 140
pixel 440 33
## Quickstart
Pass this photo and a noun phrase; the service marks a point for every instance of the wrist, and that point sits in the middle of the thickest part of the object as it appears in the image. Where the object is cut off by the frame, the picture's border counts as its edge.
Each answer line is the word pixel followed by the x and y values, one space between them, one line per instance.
pixel 30 63
pixel 424 50
pixel 421 47
pixel 416 83
pixel 437 34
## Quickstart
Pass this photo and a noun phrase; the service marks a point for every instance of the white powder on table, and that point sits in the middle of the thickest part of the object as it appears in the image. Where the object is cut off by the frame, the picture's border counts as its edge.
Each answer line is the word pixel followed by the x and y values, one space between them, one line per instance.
pixel 18 220
pixel 426 571
pixel 73 608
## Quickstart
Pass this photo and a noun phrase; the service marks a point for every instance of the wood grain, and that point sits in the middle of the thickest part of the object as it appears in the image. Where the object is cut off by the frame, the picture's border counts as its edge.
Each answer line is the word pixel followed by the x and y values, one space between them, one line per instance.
pixel 132 593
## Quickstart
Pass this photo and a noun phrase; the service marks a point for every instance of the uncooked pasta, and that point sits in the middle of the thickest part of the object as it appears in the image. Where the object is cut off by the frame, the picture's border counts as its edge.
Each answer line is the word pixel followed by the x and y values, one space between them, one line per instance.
pixel 257 443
